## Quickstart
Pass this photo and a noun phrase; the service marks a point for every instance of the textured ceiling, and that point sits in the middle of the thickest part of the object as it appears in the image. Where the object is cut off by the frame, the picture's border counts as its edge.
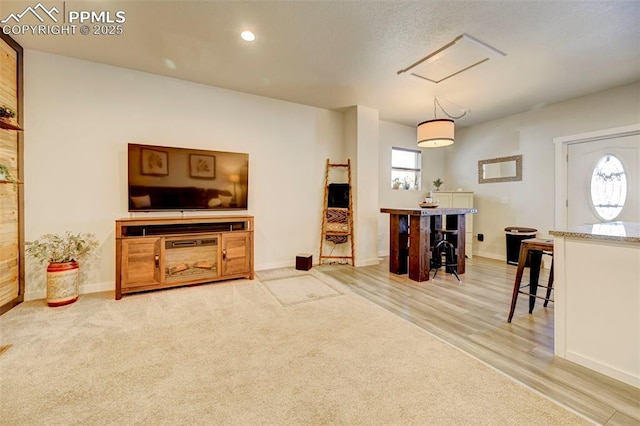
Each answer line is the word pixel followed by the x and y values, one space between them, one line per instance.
pixel 334 54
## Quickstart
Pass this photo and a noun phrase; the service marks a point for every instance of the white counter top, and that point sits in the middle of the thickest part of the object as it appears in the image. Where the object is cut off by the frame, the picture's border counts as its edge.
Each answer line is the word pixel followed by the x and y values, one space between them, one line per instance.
pixel 612 231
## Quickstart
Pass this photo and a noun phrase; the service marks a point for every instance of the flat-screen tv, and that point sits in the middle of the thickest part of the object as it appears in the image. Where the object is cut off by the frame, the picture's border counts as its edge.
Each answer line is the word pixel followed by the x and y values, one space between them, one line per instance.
pixel 165 178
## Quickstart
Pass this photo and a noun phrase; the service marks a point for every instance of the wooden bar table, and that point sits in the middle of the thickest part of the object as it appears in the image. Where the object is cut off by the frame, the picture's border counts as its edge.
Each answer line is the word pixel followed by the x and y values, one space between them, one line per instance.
pixel 411 236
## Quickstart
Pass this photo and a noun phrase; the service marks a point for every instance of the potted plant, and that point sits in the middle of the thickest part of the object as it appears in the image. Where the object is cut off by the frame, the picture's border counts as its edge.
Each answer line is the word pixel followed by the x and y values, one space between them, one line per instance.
pixel 5 176
pixel 62 253
pixel 396 183
pixel 408 182
pixel 7 115
pixel 437 184
pixel 6 112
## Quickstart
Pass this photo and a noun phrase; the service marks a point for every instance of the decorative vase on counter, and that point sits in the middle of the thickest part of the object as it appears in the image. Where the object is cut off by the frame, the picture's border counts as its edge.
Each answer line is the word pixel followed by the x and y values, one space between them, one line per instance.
pixel 63 280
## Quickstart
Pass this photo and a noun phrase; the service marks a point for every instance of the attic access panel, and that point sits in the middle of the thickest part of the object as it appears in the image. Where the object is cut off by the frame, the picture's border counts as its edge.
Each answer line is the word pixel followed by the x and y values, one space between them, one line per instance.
pixel 463 53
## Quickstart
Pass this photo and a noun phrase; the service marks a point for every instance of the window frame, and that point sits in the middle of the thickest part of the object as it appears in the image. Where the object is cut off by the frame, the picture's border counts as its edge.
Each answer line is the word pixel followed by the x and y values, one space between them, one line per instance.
pixel 624 190
pixel 417 171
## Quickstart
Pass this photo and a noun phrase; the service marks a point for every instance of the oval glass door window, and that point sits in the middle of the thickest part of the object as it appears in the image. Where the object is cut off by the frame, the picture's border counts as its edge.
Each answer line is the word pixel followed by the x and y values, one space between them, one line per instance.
pixel 608 187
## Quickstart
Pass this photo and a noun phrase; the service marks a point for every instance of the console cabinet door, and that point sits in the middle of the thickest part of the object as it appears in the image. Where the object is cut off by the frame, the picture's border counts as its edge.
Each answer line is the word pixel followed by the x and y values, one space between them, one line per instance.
pixel 236 253
pixel 142 262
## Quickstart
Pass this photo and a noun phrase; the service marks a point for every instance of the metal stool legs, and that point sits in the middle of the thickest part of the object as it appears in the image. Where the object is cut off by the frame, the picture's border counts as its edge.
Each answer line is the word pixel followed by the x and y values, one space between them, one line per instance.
pixel 446 249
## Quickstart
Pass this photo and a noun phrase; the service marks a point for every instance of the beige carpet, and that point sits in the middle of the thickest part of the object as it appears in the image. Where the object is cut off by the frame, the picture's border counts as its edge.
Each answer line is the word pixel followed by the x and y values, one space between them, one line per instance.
pixel 231 353
pixel 299 289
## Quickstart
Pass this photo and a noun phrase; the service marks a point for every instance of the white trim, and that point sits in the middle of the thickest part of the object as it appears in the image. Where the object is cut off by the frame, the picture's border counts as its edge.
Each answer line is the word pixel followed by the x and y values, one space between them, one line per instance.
pixel 367 262
pixel 83 289
pixel 35 295
pixel 561 149
pixel 97 287
pixel 489 255
pixel 605 369
pixel 276 265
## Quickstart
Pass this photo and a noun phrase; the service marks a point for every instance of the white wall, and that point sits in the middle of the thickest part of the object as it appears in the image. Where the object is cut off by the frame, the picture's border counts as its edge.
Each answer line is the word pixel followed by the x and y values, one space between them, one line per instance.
pixel 79 117
pixel 367 207
pixel 530 203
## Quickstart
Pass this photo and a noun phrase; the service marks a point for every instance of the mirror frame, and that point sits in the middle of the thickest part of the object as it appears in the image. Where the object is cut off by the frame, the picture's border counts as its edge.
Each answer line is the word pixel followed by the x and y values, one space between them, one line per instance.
pixel 517 177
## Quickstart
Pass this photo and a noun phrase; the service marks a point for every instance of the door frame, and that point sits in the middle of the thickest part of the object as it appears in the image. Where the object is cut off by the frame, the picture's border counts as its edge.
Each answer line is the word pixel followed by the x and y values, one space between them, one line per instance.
pixel 561 163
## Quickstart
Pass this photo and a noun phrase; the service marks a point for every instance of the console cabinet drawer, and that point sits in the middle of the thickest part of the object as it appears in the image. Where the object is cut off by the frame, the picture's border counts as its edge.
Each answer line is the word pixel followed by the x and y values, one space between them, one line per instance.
pixel 235 254
pixel 142 260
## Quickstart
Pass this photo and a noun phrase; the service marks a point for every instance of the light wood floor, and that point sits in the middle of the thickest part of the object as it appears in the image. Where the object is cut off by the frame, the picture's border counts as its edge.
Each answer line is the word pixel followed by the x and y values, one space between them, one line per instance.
pixel 472 316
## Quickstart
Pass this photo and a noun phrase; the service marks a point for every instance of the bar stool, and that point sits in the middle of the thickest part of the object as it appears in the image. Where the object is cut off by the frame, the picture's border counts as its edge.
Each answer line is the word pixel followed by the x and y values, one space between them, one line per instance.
pixel 444 249
pixel 533 249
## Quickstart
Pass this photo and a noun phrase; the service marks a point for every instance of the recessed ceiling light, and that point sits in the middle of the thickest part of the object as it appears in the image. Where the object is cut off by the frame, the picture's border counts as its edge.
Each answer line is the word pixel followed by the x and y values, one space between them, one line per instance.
pixel 248 36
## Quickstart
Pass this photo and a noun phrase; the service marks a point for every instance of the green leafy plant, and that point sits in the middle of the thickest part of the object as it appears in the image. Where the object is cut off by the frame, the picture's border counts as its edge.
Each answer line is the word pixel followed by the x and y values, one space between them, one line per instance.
pixel 6 112
pixel 5 176
pixel 55 248
pixel 409 182
pixel 437 183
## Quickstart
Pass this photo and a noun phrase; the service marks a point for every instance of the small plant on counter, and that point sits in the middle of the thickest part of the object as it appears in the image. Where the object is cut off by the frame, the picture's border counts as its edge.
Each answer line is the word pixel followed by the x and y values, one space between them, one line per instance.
pixel 409 182
pixel 437 184
pixel 5 176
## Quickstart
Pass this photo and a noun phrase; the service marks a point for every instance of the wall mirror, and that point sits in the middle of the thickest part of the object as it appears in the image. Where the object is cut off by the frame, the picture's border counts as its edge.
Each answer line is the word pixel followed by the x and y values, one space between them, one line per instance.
pixel 503 169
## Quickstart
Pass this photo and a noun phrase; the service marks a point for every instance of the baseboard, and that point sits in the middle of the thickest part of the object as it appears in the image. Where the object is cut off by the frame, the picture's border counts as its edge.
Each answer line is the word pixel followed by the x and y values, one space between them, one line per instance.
pixel 292 263
pixel 368 262
pixel 489 255
pixel 383 253
pixel 604 369
pixel 546 259
pixel 276 265
pixel 35 295
pixel 84 289
pixel 98 287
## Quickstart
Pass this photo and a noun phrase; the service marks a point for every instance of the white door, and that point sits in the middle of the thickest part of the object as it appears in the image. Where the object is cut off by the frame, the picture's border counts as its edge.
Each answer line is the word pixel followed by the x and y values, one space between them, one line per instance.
pixel 582 160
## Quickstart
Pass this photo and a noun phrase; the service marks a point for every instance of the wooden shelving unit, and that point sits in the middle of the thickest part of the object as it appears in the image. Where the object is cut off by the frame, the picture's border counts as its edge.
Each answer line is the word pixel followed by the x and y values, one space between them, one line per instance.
pixel 8 125
pixel 337 216
pixel 12 282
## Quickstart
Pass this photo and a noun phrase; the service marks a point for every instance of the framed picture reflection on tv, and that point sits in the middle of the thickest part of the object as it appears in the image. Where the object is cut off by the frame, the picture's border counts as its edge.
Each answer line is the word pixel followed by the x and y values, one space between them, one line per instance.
pixel 154 162
pixel 202 166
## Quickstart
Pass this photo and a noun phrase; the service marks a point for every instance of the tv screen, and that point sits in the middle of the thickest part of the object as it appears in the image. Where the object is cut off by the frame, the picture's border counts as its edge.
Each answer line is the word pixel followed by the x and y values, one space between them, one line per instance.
pixel 165 178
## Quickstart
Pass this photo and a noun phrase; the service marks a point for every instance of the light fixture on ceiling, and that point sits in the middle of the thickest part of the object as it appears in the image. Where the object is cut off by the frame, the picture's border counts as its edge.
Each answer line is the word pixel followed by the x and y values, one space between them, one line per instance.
pixel 248 36
pixel 439 131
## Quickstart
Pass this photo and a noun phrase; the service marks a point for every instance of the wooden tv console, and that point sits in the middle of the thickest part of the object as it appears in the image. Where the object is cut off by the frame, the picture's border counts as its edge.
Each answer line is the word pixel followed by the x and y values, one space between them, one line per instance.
pixel 162 252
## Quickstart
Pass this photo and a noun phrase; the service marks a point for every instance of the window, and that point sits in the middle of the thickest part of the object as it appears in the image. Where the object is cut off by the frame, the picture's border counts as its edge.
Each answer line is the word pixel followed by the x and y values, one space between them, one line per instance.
pixel 406 165
pixel 608 187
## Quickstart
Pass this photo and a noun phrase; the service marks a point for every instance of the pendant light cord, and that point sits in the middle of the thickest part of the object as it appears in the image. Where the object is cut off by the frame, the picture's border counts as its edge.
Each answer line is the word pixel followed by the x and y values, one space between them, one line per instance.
pixel 437 102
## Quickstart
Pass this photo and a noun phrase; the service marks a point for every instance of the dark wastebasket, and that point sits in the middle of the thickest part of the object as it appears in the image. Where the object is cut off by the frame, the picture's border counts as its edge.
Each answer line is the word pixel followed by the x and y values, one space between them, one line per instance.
pixel 515 235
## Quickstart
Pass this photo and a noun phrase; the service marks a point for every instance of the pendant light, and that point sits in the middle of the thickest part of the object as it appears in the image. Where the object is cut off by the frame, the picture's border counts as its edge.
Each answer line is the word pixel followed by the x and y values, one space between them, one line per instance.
pixel 437 132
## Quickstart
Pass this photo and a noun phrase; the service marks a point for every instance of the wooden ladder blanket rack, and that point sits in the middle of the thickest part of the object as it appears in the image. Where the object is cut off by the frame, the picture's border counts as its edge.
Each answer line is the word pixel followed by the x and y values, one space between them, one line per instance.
pixel 337 214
